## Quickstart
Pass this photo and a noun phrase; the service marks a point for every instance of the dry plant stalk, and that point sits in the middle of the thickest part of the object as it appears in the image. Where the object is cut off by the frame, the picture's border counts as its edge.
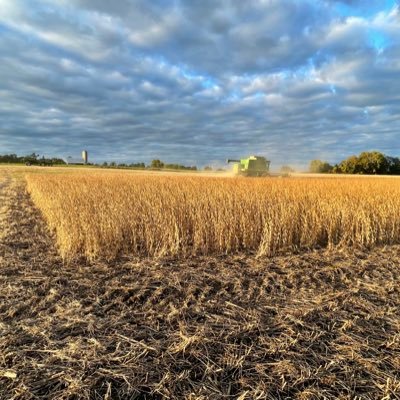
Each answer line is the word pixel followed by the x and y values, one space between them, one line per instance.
pixel 103 215
pixel 318 325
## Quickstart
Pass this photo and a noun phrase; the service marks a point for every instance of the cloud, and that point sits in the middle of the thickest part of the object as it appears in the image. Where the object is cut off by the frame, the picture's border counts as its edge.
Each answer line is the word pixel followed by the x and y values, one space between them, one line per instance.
pixel 195 82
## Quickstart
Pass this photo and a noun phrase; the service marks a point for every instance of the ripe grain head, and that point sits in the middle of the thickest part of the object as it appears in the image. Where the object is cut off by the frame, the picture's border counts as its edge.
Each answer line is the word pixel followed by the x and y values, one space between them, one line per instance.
pixel 103 215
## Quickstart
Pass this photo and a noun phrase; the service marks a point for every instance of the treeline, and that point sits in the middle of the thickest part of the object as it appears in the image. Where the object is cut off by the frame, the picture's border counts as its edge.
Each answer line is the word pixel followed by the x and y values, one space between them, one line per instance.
pixel 155 164
pixel 113 164
pixel 158 164
pixel 35 159
pixel 368 163
pixel 31 159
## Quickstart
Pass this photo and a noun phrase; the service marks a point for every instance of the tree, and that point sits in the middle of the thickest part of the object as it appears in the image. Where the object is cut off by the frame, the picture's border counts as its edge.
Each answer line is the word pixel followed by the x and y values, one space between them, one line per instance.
pixel 350 166
pixel 393 165
pixel 207 168
pixel 318 166
pixel 9 158
pixel 373 163
pixel 31 159
pixel 137 165
pixel 157 164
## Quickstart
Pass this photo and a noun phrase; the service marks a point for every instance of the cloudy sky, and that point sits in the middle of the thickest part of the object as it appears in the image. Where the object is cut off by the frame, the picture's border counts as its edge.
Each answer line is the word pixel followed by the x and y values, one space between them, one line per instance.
pixel 197 81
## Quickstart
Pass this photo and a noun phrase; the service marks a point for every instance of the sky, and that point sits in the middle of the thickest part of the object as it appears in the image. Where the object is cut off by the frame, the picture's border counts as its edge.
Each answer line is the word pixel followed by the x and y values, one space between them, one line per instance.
pixel 200 81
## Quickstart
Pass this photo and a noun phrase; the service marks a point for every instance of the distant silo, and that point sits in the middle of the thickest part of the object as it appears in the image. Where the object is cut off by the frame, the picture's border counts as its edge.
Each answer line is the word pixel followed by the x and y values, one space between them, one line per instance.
pixel 85 156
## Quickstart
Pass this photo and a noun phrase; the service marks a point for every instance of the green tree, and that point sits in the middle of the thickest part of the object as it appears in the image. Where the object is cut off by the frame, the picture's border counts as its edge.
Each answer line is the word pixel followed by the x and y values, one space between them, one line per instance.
pixel 157 164
pixel 137 165
pixel 350 166
pixel 373 163
pixel 393 165
pixel 31 158
pixel 318 166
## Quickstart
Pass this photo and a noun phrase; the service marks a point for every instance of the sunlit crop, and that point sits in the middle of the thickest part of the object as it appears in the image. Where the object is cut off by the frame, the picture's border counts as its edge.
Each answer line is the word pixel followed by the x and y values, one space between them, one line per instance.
pixel 103 215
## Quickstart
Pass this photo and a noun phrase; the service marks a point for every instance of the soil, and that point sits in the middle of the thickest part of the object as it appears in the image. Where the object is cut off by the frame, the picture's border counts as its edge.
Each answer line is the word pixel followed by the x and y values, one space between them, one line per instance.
pixel 320 325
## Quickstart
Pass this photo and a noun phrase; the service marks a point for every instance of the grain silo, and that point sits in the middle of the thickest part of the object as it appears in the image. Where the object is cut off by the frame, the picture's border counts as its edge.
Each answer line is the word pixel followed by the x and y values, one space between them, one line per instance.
pixel 85 156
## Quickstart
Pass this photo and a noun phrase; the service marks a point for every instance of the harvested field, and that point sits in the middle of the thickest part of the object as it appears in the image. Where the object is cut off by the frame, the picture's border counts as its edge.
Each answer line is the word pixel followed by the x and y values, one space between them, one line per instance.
pixel 321 325
pixel 104 216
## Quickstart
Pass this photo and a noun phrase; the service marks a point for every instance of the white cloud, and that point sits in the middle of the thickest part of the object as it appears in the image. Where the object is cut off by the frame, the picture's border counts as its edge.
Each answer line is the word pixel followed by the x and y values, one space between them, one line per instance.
pixel 146 79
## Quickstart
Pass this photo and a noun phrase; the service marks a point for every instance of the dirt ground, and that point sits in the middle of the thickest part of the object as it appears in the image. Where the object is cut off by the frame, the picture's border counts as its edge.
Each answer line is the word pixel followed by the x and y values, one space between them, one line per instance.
pixel 321 325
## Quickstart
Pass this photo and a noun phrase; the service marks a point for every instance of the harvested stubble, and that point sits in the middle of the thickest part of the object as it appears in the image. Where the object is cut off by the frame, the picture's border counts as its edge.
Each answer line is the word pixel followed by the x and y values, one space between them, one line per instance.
pixel 105 215
pixel 319 325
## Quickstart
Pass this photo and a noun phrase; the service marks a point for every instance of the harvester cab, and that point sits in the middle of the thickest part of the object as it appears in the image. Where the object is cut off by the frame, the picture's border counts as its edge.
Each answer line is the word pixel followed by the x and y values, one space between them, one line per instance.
pixel 252 166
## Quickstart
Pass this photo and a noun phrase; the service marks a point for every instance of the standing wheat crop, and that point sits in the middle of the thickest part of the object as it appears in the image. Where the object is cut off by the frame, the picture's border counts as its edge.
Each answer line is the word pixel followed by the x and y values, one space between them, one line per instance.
pixel 106 215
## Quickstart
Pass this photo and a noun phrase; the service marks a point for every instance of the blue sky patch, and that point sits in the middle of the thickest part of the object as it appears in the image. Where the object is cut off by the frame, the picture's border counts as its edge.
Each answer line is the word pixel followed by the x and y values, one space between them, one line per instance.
pixel 133 81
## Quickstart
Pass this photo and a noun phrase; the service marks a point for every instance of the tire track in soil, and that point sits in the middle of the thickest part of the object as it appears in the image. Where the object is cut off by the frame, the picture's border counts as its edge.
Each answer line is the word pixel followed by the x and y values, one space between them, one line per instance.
pixel 5 182
pixel 317 325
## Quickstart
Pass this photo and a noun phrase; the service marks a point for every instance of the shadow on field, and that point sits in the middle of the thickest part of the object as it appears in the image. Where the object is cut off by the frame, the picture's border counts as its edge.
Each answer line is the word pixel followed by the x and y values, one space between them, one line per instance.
pixel 317 325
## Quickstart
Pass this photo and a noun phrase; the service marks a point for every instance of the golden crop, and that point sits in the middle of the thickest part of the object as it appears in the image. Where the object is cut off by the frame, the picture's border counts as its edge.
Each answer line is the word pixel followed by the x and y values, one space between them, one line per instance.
pixel 103 215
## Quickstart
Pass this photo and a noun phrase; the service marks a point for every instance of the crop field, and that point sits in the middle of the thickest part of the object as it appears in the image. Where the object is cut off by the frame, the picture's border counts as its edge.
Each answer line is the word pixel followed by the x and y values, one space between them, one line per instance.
pixel 105 216
pixel 117 285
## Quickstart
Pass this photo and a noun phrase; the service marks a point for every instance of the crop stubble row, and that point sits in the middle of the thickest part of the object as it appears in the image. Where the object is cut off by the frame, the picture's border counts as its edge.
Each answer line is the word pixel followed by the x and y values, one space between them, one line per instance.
pixel 106 215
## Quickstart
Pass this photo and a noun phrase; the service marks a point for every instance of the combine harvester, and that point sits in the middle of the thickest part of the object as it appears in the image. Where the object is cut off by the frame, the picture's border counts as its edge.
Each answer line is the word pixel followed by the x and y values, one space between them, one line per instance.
pixel 253 166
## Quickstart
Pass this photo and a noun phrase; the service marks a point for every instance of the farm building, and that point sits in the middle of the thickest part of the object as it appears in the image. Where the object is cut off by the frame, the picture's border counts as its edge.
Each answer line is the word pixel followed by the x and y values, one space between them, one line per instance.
pixel 78 161
pixel 74 161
